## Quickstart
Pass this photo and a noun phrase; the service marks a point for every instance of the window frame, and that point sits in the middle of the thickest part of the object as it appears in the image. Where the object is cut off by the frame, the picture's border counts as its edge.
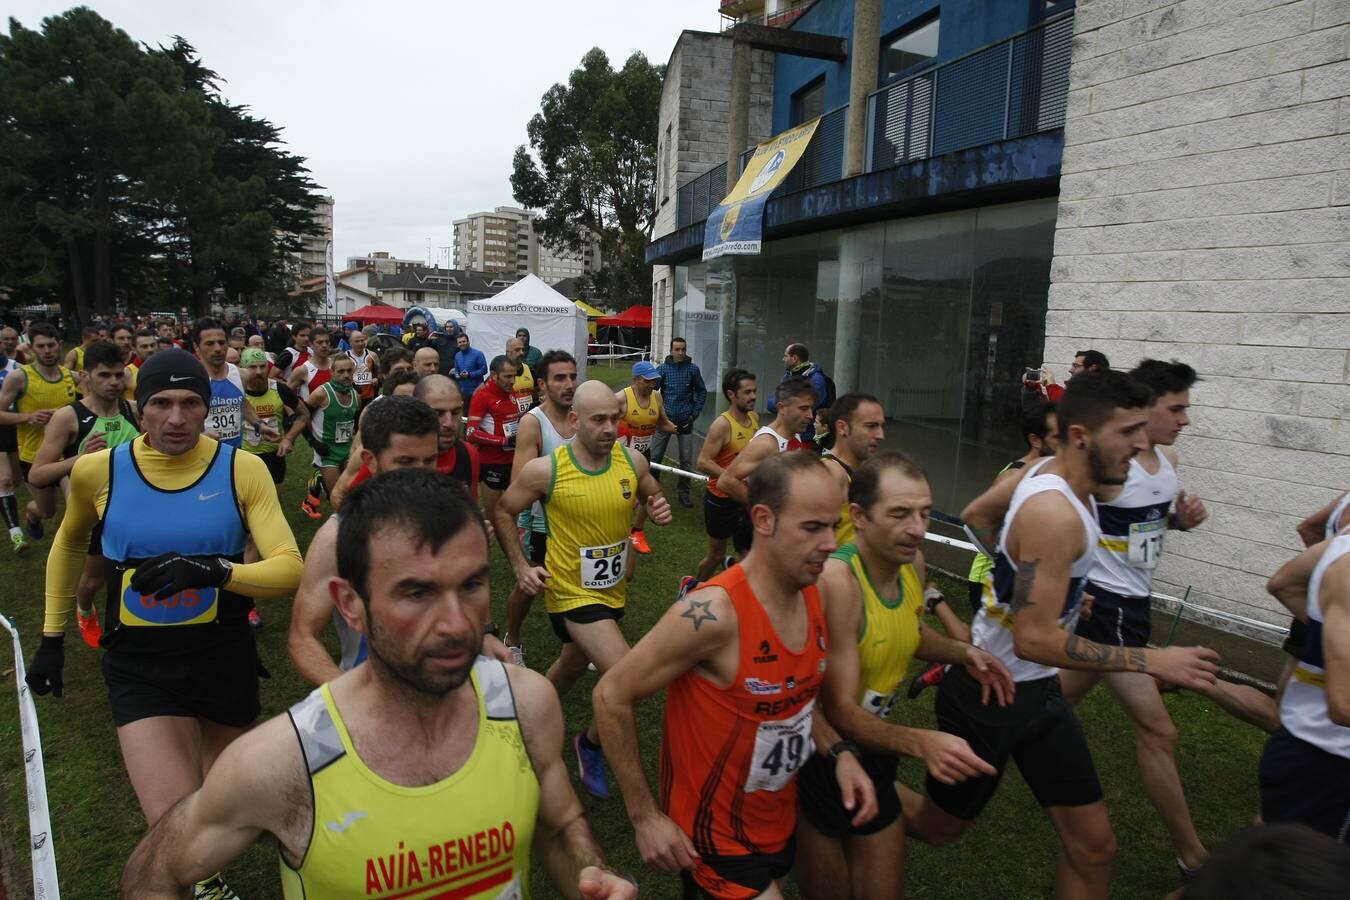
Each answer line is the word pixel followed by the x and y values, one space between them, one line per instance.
pixel 795 101
pixel 910 27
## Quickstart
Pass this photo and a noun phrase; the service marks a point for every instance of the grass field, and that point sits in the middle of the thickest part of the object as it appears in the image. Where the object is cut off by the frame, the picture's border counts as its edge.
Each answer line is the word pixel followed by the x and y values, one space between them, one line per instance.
pixel 1009 853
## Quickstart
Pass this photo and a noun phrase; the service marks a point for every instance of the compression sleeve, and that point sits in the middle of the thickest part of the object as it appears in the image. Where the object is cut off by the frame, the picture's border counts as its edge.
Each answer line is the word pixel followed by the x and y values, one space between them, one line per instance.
pixel 70 545
pixel 277 573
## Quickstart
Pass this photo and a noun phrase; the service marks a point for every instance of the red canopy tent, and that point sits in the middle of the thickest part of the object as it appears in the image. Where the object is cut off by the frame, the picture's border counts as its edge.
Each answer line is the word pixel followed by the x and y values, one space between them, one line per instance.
pixel 632 317
pixel 376 315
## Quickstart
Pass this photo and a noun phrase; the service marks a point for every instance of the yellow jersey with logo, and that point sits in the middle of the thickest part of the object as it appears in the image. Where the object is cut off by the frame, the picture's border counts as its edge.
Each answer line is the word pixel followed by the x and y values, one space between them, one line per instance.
pixel 129 383
pixel 467 836
pixel 890 633
pixel 588 517
pixel 40 393
pixel 844 532
pixel 740 436
pixel 523 392
pixel 639 422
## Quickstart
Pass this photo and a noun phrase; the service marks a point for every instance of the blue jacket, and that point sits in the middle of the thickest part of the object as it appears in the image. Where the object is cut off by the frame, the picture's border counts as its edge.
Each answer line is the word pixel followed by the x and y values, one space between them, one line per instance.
pixel 814 375
pixel 683 392
pixel 475 363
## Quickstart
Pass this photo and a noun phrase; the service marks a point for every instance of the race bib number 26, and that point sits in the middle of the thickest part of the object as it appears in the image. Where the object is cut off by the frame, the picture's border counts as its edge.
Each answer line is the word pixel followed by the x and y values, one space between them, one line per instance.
pixel 604 567
pixel 782 747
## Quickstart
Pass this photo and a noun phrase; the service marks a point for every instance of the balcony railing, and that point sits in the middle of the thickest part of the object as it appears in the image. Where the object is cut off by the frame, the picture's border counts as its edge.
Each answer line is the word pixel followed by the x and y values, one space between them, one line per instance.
pixel 1010 89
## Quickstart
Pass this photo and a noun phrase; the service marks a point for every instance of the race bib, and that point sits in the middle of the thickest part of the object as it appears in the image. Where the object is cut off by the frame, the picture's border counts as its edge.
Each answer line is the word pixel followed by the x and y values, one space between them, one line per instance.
pixel 523 402
pixel 878 704
pixel 363 378
pixel 781 748
pixel 641 443
pixel 511 891
pixel 225 423
pixel 191 606
pixel 604 567
pixel 510 428
pixel 342 432
pixel 1145 543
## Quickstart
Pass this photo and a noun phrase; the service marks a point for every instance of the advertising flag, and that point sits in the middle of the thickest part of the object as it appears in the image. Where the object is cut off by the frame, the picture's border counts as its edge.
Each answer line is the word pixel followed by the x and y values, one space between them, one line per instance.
pixel 330 296
pixel 736 226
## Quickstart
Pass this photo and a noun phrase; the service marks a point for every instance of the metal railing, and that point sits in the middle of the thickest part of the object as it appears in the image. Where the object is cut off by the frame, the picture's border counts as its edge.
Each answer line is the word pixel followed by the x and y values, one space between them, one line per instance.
pixel 698 198
pixel 782 17
pixel 1016 87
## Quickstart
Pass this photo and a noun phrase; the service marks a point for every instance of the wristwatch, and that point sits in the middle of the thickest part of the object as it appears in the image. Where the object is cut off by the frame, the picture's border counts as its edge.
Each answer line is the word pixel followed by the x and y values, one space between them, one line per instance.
pixel 490 629
pixel 844 746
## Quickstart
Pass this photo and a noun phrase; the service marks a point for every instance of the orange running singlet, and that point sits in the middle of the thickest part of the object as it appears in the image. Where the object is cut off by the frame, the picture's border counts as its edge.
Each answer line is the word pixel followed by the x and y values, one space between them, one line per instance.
pixel 730 756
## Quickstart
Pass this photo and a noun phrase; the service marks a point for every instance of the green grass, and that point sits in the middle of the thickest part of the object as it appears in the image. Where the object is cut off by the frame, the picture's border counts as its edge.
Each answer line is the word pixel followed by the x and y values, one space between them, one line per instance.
pixel 1009 853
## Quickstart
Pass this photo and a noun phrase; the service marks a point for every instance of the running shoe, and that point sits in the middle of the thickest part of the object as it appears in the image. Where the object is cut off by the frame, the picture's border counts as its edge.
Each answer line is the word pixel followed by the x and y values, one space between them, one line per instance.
pixel 1187 873
pixel 90 630
pixel 639 539
pixel 929 677
pixel 687 584
pixel 310 507
pixel 19 541
pixel 213 888
pixel 33 527
pixel 591 768
pixel 254 619
pixel 517 654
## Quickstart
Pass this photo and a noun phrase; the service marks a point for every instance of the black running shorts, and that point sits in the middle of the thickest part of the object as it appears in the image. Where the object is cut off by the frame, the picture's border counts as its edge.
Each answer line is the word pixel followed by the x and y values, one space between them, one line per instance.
pixel 9 438
pixel 1305 784
pixel 276 466
pixel 582 615
pixel 737 877
pixel 724 518
pixel 496 476
pixel 220 684
pixel 1116 620
pixel 821 803
pixel 538 547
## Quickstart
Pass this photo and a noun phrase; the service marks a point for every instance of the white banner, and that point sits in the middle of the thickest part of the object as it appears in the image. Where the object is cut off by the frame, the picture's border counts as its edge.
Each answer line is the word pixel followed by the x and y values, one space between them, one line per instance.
pixel 45 886
pixel 330 296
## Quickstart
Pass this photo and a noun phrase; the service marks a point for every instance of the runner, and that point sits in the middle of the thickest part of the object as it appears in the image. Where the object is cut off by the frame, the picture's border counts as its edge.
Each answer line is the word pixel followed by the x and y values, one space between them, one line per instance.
pixel 176 507
pixel 427 726
pixel 367 375
pixel 9 445
pixel 795 400
pixel 643 415
pixel 332 425
pixel 313 373
pixel 1305 770
pixel 730 432
pixel 742 660
pixel 123 339
pixel 273 403
pixel 493 419
pixel 524 388
pixel 144 346
pixel 1133 519
pixel 295 356
pixel 75 358
pixel 542 431
pixel 588 489
pixel 28 398
pixel 857 424
pixel 228 413
pixel 873 593
pixel 1045 552
pixel 396 359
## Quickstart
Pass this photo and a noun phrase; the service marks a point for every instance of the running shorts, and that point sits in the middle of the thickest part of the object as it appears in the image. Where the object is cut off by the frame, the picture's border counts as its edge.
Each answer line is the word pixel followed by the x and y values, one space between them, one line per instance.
pixel 9 439
pixel 220 684
pixel 332 457
pixel 582 615
pixel 737 877
pixel 820 801
pixel 497 476
pixel 1116 620
pixel 724 518
pixel 276 466
pixel 538 547
pixel 1038 731
pixel 1305 784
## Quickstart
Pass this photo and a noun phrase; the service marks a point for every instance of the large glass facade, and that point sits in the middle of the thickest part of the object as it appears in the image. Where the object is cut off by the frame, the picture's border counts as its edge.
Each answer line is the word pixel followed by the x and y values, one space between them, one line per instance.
pixel 935 315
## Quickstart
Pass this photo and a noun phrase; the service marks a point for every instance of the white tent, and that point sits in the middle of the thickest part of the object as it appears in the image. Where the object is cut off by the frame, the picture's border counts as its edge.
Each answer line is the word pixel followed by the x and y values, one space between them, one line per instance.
pixel 555 323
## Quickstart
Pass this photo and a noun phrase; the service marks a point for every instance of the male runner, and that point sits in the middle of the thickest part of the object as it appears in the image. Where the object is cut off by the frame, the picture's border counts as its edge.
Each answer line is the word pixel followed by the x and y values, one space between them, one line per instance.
pixel 332 425
pixel 123 337
pixel 273 403
pixel 308 376
pixel 795 401
pixel 643 415
pixel 99 420
pixel 9 445
pixel 396 359
pixel 523 388
pixel 297 354
pixel 1045 553
pixel 176 509
pixel 588 489
pixel 493 419
pixel 873 595
pixel 858 424
pixel 729 434
pixel 228 412
pixel 1133 519
pixel 144 346
pixel 75 358
pixel 542 431
pixel 1305 770
pixel 356 781
pixel 28 398
pixel 742 660
pixel 367 374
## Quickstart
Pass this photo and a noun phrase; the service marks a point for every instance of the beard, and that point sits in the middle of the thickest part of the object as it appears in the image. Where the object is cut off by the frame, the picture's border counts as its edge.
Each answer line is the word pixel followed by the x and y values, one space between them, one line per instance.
pixel 417 677
pixel 1101 473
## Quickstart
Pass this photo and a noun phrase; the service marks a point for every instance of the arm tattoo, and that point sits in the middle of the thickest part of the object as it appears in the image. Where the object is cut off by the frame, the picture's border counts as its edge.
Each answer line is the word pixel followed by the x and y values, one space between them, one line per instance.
pixel 699 611
pixel 1129 659
pixel 1022 582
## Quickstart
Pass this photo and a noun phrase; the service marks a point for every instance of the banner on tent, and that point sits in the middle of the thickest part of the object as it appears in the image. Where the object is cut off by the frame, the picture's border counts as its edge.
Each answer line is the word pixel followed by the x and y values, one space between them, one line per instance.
pixel 736 226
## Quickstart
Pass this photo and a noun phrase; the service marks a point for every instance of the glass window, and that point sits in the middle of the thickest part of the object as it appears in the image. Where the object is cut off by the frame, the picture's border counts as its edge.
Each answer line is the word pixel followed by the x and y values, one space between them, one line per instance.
pixel 809 102
pixel 908 49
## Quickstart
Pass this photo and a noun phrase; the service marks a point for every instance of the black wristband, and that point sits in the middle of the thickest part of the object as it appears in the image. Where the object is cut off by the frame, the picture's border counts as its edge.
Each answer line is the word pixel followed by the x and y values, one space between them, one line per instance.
pixel 844 746
pixel 1174 522
pixel 490 629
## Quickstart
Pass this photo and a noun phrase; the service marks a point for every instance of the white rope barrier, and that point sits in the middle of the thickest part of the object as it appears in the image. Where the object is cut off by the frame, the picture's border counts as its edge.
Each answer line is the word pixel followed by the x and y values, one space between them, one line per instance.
pixel 698 476
pixel 45 886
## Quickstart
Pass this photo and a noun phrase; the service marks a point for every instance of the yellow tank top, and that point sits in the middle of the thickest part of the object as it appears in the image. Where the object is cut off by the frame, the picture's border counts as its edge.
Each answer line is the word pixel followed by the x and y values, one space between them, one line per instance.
pixel 467 836
pixel 523 392
pixel 39 393
pixel 129 383
pixel 639 422
pixel 843 532
pixel 740 436
pixel 588 518
pixel 890 634
pixel 79 358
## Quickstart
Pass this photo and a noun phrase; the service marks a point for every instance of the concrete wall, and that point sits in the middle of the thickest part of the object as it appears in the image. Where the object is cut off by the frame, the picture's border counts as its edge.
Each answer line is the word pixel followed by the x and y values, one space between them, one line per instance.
pixel 1205 215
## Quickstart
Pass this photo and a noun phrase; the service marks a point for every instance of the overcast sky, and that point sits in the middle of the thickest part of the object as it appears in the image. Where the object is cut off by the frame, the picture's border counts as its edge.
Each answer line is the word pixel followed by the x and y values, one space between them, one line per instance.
pixel 407 112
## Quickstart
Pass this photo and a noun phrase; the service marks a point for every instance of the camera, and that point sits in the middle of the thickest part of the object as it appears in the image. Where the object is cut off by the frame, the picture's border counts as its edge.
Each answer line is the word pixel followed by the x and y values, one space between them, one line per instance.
pixel 1032 374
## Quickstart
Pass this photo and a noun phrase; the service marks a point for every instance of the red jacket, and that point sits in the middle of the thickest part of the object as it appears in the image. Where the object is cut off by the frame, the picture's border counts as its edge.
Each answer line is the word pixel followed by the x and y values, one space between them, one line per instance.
pixel 493 418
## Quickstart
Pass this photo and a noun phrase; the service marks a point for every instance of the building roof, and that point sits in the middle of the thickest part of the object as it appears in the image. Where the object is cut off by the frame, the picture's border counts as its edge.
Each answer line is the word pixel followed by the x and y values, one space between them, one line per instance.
pixel 461 281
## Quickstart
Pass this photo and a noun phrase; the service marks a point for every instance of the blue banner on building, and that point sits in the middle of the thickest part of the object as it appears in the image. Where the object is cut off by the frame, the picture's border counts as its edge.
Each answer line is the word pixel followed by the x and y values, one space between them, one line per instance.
pixel 736 226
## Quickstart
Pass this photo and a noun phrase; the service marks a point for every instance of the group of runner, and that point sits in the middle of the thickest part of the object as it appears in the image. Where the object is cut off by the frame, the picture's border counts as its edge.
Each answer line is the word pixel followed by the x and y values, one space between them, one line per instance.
pixel 173 504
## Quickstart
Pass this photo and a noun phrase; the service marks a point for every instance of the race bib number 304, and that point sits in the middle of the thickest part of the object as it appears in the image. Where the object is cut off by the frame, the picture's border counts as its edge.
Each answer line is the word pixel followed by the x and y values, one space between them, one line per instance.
pixel 193 606
pixel 1146 543
pixel 781 748
pixel 604 567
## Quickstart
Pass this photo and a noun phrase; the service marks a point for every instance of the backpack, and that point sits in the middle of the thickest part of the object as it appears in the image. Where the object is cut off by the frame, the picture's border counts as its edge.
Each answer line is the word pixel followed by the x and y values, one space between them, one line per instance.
pixel 830 392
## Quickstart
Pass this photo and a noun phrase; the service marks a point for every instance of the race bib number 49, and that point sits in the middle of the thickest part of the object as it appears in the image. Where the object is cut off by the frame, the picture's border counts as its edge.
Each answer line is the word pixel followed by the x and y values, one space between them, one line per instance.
pixel 192 606
pixel 604 567
pixel 1145 543
pixel 781 748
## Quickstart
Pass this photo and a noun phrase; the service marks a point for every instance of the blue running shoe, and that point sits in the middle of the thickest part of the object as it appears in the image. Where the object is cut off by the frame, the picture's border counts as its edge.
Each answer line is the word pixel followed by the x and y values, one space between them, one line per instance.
pixel 33 527
pixel 591 768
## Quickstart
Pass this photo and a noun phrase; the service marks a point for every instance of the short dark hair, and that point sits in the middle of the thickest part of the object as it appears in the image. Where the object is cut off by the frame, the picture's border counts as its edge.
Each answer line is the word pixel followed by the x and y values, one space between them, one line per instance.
pixel 1036 420
pixel 1164 377
pixel 398 379
pixel 799 351
pixel 550 358
pixel 43 329
pixel 731 382
pixel 396 415
pixel 792 388
pixel 316 333
pixel 1093 398
pixel 144 332
pixel 1094 358
pixel 205 323
pixel 89 331
pixel 102 353
pixel 678 340
pixel 164 340
pixel 429 507
pixel 122 326
pixel 1280 860
pixel 771 482
pixel 498 362
pixel 394 355
pixel 301 325
pixel 866 482
pixel 846 406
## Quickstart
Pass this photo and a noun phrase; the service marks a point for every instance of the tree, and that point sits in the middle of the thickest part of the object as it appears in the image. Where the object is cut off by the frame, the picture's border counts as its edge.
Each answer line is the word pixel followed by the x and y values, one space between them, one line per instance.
pixel 593 169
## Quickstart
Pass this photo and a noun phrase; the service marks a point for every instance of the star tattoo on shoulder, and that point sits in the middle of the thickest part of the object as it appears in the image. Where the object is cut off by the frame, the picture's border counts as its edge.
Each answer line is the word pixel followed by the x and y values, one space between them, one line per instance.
pixel 699 611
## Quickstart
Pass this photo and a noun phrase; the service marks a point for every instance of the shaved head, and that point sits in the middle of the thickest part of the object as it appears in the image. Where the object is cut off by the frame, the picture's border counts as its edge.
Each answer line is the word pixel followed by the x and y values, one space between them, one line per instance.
pixel 592 396
pixel 434 384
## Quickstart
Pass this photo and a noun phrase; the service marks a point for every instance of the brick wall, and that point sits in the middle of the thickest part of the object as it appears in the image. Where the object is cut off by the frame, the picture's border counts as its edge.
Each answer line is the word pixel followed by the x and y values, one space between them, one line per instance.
pixel 1205 215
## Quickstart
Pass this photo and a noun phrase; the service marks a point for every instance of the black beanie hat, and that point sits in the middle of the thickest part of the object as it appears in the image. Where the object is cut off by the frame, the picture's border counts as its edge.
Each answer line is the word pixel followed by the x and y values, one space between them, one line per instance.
pixel 172 369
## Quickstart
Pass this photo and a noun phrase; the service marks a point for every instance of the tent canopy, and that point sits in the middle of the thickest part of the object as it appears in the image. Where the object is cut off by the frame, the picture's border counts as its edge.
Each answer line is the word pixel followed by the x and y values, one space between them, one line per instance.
pixel 377 315
pixel 554 322
pixel 589 310
pixel 436 319
pixel 632 317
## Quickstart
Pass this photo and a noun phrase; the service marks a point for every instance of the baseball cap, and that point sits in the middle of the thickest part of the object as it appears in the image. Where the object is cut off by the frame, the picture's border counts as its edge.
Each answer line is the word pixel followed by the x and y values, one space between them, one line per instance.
pixel 251 356
pixel 646 370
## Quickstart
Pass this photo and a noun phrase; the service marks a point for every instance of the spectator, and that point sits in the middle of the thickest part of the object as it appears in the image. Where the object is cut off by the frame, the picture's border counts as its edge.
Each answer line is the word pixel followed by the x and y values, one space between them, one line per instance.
pixel 797 361
pixel 683 394
pixel 421 337
pixel 1083 361
pixel 532 354
pixel 345 343
pixel 470 367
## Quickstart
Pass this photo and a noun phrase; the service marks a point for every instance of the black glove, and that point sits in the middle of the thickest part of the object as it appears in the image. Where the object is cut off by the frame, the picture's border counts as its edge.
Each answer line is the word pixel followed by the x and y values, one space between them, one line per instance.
pixel 169 573
pixel 510 442
pixel 44 672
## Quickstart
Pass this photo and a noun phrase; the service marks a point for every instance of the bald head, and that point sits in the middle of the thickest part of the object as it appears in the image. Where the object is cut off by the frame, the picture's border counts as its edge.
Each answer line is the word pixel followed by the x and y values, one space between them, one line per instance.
pixel 442 395
pixel 593 396
pixel 596 413
pixel 426 361
pixel 434 384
